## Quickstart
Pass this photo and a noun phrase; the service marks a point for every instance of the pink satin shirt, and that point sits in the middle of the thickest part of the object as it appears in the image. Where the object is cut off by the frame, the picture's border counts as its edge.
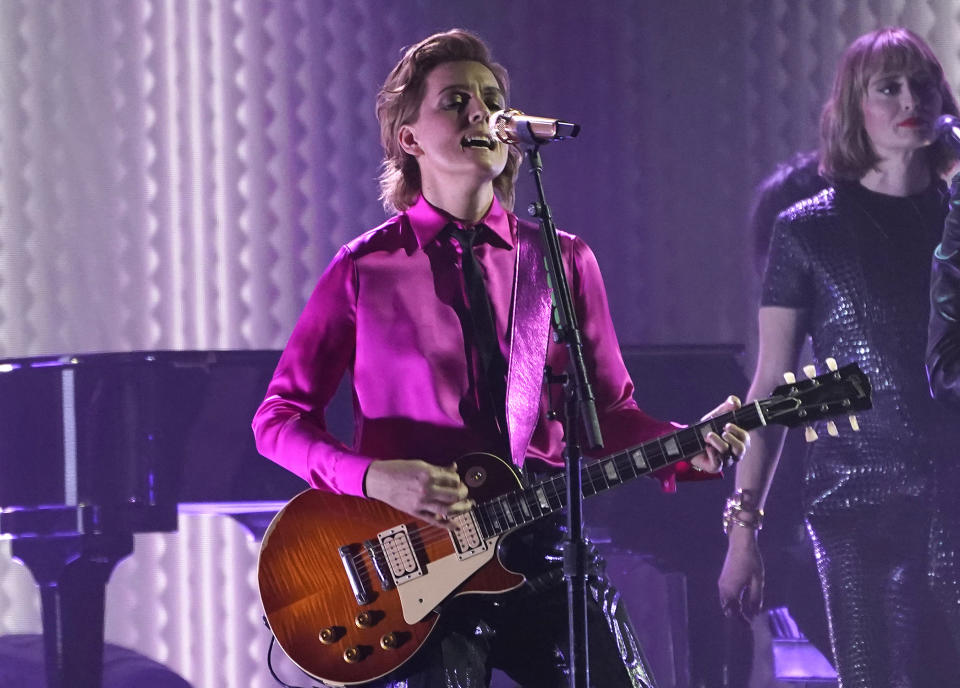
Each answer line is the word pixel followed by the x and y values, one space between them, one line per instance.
pixel 386 312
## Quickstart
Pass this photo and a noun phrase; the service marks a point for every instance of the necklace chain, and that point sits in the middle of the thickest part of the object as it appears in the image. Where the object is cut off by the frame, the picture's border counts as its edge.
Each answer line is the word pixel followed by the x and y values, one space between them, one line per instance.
pixel 876 223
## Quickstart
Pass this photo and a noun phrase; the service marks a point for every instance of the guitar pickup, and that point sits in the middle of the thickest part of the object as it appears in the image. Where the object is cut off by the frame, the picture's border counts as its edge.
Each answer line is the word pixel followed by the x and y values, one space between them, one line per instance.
pixel 375 552
pixel 349 557
pixel 400 555
pixel 466 536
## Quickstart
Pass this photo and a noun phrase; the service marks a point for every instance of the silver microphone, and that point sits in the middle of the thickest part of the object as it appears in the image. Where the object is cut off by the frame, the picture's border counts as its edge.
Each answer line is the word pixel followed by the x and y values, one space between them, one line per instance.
pixel 513 126
pixel 948 128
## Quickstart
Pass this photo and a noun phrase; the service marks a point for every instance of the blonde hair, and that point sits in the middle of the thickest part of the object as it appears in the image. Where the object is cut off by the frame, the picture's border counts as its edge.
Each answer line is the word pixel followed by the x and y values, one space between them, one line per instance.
pixel 845 148
pixel 398 103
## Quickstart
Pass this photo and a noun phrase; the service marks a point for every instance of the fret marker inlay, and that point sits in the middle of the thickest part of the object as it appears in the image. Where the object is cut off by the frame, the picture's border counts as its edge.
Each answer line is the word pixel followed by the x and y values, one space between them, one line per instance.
pixel 508 512
pixel 704 431
pixel 525 509
pixel 611 470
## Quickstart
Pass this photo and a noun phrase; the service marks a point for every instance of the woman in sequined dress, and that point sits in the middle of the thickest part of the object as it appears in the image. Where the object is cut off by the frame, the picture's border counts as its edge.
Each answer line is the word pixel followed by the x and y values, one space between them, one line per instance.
pixel 849 267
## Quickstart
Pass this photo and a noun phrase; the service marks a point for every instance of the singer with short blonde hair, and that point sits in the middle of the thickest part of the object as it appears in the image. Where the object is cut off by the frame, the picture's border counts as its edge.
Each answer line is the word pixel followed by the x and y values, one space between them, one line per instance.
pixel 441 320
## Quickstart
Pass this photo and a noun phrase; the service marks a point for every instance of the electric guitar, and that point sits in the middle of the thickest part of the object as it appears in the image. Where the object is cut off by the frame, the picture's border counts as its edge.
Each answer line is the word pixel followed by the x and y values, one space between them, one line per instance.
pixel 352 588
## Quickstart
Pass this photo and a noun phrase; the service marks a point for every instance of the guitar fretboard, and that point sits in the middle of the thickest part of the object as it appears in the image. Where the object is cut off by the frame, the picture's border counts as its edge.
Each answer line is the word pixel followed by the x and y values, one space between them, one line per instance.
pixel 518 508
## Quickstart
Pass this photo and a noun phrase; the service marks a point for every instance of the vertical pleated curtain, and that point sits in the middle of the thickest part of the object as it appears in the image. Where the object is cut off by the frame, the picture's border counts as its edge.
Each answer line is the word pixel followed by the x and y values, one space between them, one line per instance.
pixel 174 174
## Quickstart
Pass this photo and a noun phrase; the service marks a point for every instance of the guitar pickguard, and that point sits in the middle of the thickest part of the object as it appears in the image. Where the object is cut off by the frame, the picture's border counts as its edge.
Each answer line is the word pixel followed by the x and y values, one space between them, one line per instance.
pixel 420 596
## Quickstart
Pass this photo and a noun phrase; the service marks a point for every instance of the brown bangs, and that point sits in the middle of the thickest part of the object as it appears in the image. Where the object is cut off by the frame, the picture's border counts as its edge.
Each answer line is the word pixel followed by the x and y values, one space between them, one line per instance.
pixel 895 53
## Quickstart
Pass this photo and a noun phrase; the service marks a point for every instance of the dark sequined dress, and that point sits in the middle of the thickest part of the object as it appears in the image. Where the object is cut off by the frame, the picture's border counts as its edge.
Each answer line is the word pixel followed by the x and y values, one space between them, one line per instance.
pixel 857 264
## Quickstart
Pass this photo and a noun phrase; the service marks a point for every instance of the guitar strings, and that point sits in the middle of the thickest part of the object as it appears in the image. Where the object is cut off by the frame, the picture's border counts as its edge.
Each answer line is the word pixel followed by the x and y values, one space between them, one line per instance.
pixel 486 517
pixel 556 494
pixel 439 534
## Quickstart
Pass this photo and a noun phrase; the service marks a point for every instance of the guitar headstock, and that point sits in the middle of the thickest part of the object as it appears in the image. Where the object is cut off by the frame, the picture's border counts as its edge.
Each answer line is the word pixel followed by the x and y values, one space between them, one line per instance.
pixel 839 391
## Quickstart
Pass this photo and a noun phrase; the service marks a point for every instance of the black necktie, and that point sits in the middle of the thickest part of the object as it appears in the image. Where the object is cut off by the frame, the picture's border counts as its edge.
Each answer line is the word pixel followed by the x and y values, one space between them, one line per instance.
pixel 493 366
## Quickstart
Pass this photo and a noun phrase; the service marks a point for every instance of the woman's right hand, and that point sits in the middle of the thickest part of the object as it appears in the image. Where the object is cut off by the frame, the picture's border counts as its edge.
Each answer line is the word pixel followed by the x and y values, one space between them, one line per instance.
pixel 431 493
pixel 741 579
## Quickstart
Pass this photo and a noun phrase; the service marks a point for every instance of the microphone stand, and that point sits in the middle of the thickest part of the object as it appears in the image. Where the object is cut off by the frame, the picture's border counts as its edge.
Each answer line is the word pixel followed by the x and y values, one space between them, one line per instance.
pixel 581 414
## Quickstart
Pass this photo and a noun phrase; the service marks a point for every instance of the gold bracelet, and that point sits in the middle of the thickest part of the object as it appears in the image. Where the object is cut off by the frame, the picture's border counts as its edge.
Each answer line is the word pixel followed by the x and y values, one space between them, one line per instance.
pixel 733 512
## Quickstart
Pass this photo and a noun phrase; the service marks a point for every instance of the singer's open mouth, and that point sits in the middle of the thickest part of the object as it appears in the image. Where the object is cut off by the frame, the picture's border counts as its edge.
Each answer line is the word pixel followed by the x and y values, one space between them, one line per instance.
pixel 478 142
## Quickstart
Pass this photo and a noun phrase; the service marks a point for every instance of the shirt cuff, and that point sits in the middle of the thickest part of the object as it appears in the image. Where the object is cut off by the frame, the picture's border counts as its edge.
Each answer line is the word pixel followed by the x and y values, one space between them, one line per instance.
pixel 349 471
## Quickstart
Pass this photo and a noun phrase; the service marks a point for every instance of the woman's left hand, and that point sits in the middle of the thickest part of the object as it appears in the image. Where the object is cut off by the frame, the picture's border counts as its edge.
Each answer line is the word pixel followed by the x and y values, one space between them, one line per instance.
pixel 724 449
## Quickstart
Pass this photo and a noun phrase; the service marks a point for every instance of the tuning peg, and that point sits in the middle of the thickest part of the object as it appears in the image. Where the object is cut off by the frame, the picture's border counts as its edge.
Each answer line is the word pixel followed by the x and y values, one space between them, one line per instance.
pixel 854 424
pixel 809 434
pixel 831 364
pixel 832 429
pixel 790 378
pixel 810 371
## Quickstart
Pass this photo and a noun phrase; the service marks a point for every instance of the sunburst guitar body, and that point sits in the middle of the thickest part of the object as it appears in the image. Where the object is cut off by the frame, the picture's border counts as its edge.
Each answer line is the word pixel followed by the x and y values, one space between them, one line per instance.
pixel 353 588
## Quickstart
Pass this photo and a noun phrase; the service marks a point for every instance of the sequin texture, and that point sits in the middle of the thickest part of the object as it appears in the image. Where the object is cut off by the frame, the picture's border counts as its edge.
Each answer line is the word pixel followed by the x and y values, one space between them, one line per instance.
pixel 857 263
pixel 879 503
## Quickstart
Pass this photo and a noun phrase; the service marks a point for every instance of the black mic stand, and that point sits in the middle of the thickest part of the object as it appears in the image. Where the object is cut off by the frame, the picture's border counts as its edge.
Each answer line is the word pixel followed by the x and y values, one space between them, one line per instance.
pixel 581 414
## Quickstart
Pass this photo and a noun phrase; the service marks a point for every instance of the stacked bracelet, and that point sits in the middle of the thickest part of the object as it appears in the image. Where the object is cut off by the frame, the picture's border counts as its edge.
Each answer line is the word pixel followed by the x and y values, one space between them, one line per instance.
pixel 736 512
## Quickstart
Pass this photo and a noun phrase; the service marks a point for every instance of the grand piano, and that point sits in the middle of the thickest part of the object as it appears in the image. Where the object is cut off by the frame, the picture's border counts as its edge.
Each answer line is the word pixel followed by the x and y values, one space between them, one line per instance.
pixel 97 447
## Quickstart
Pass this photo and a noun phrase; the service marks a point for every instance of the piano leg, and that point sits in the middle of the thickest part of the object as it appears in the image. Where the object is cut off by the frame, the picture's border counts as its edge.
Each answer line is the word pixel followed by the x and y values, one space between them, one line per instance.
pixel 72 574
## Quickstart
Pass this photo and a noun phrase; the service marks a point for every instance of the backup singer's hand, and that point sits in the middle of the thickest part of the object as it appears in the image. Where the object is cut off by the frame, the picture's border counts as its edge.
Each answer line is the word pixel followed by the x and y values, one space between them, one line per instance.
pixel 741 579
pixel 431 493
pixel 727 448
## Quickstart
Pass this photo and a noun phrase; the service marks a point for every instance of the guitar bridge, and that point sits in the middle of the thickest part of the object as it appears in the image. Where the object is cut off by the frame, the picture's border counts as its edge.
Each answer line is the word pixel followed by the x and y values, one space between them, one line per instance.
pixel 349 559
pixel 466 537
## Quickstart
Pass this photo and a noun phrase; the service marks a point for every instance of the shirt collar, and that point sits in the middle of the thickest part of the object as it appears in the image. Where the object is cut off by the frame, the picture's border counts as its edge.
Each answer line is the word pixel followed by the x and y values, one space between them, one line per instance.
pixel 427 221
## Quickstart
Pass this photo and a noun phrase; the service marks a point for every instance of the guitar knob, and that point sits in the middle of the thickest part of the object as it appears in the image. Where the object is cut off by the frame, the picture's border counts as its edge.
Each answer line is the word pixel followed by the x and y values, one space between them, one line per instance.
pixel 831 364
pixel 352 655
pixel 810 371
pixel 389 641
pixel 364 620
pixel 809 434
pixel 790 378
pixel 832 429
pixel 854 423
pixel 328 635
pixel 476 476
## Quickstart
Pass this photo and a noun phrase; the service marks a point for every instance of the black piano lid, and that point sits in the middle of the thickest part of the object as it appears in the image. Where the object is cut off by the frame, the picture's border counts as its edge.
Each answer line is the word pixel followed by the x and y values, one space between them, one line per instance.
pixel 140 428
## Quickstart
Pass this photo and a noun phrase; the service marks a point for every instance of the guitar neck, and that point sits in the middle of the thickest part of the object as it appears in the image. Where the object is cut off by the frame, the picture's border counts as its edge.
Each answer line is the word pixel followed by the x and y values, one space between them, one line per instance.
pixel 515 509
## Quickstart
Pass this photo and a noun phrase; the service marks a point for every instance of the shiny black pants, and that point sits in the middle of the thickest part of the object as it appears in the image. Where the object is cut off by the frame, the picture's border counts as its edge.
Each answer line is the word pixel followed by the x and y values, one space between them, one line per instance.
pixel 524 633
pixel 876 566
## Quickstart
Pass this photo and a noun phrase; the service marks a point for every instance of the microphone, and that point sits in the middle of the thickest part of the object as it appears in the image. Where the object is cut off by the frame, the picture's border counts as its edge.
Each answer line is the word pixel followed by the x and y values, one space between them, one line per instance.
pixel 512 126
pixel 948 128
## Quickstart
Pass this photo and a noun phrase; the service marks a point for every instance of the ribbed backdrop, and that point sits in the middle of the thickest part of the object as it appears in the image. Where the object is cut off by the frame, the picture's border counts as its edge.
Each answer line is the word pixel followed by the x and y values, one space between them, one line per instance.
pixel 175 174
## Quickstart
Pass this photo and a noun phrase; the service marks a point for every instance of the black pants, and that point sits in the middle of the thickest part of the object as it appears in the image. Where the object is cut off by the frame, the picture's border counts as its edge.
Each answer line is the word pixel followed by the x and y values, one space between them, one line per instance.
pixel 524 633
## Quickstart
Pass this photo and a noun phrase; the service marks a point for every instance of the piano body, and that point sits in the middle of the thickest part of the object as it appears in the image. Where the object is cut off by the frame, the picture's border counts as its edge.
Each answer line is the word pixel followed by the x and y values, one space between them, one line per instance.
pixel 97 447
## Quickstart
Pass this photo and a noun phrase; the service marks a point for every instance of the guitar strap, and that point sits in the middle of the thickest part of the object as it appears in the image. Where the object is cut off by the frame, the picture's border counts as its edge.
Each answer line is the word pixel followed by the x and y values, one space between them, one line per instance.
pixel 530 332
